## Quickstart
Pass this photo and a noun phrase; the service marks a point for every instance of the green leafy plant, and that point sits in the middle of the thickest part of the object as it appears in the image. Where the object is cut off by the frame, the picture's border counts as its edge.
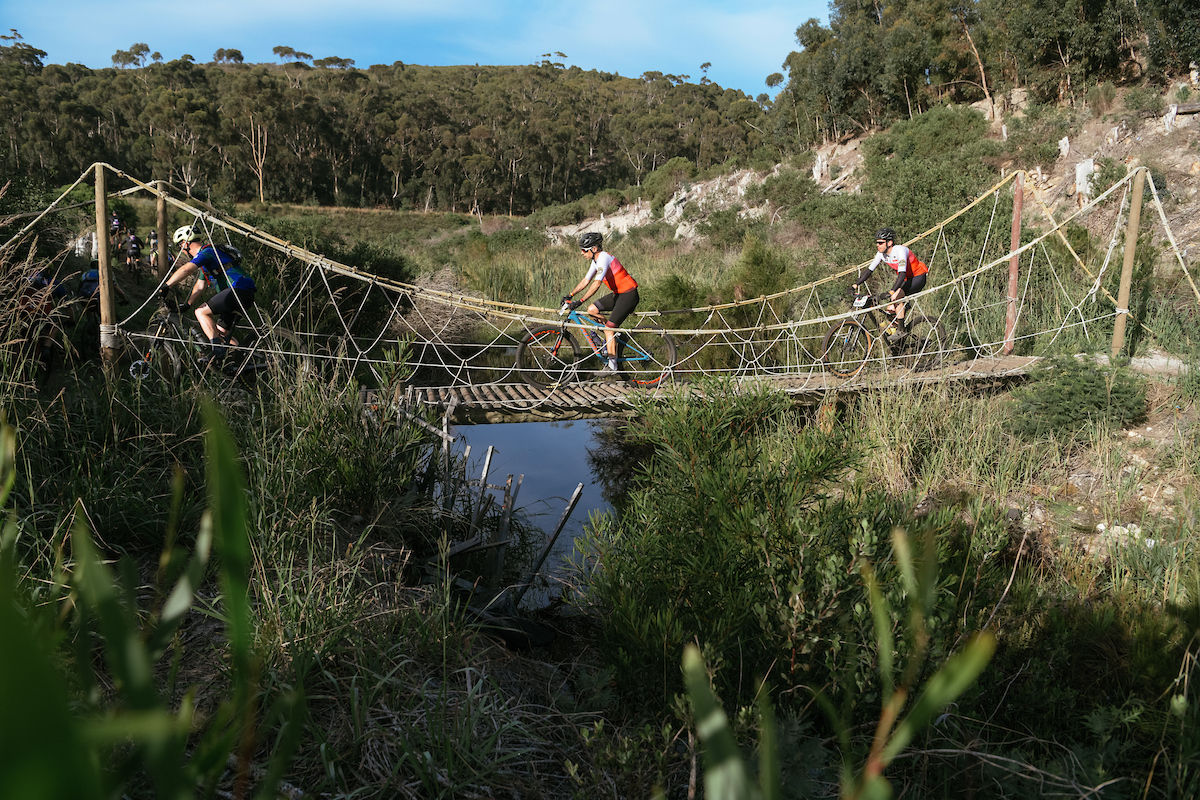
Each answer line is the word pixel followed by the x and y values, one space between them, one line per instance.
pixel 1067 396
pixel 1100 98
pixel 140 732
pixel 726 775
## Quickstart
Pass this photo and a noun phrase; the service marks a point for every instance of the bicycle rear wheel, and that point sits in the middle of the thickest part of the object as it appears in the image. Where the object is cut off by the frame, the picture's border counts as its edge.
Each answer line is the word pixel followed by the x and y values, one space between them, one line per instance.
pixel 925 346
pixel 846 348
pixel 546 357
pixel 648 355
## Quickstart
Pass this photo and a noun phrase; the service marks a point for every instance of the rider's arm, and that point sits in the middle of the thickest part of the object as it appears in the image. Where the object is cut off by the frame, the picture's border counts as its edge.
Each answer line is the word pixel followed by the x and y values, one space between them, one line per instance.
pixel 197 289
pixel 594 275
pixel 178 275
pixel 591 290
pixel 901 276
pixel 868 270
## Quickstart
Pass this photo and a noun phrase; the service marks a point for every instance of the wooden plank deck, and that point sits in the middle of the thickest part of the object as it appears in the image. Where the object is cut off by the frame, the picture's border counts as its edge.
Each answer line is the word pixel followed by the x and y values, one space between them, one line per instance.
pixel 519 402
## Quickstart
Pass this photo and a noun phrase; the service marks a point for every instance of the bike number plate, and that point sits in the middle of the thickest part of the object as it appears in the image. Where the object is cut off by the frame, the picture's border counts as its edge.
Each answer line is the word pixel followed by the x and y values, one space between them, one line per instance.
pixel 860 302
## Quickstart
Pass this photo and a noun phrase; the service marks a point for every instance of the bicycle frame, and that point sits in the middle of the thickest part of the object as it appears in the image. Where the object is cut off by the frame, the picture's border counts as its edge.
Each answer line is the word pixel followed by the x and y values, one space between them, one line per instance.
pixel 549 355
pixel 626 347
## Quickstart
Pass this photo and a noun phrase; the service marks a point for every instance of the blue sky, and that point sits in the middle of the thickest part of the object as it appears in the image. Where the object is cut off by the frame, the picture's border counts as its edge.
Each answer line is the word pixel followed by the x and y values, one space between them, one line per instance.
pixel 744 41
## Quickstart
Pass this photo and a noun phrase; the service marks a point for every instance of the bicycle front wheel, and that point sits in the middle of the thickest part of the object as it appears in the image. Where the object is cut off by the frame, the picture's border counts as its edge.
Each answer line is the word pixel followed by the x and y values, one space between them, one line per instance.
pixel 925 346
pixel 153 360
pixel 648 355
pixel 846 348
pixel 546 356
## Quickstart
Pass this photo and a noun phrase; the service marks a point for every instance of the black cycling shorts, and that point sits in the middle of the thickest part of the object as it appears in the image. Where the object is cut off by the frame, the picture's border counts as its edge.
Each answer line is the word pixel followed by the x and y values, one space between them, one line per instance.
pixel 913 284
pixel 228 303
pixel 618 306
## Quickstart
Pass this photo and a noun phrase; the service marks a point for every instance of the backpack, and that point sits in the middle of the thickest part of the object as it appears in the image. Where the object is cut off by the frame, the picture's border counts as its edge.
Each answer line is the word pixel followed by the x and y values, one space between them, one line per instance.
pixel 232 252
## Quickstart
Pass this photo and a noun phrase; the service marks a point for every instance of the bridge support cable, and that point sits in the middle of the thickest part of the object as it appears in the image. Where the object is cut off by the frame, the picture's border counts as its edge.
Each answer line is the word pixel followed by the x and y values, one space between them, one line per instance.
pixel 342 314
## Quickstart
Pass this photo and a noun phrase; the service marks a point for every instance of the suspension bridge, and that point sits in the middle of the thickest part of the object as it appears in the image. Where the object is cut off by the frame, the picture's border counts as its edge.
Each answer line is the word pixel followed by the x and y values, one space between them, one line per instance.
pixel 1006 286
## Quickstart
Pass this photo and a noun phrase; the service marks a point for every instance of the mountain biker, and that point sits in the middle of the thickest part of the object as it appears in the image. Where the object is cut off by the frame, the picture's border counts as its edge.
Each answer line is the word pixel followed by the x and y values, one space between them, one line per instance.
pixel 152 243
pixel 89 288
pixel 133 250
pixel 89 313
pixel 910 276
pixel 605 269
pixel 221 269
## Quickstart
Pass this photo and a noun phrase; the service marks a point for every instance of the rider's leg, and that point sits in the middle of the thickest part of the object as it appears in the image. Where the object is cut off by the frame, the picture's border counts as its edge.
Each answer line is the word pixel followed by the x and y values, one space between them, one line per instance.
pixel 596 310
pixel 208 322
pixel 610 343
pixel 622 306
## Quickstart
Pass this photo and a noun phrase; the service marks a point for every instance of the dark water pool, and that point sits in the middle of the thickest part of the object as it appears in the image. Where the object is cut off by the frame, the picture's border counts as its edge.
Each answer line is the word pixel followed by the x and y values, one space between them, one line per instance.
pixel 553 458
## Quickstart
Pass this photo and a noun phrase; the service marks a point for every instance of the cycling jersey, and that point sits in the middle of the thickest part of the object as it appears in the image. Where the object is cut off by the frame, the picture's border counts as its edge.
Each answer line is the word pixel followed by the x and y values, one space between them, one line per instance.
pixel 902 260
pixel 608 269
pixel 220 269
pixel 89 283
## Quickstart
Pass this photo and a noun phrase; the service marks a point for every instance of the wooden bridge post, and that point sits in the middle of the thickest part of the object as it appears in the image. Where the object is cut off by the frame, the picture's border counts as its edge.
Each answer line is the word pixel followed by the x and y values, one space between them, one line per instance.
pixel 1131 235
pixel 1014 265
pixel 108 315
pixel 160 225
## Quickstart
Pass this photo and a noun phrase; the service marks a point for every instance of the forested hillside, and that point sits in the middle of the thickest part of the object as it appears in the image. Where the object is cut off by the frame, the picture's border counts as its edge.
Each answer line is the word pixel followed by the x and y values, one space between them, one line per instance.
pixel 512 139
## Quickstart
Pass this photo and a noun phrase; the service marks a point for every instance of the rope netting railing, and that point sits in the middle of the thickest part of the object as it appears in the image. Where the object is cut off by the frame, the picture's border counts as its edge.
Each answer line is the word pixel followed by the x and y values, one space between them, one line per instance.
pixel 321 310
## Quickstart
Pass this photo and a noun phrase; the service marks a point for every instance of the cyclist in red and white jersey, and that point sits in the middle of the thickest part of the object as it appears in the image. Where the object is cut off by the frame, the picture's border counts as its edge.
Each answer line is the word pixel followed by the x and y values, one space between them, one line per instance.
pixel 605 270
pixel 911 273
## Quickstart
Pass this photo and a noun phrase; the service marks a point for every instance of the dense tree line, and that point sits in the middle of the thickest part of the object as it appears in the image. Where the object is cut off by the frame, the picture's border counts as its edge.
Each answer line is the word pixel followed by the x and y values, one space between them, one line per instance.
pixel 499 139
pixel 875 63
pixel 514 139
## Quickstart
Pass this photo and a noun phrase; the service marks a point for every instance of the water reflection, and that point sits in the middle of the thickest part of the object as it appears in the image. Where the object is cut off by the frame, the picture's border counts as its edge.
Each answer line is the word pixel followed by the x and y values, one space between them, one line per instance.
pixel 553 457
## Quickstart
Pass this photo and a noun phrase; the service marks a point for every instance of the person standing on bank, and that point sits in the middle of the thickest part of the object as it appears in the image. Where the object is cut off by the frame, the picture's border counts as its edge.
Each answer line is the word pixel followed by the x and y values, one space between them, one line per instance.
pixel 605 269
pixel 910 275
pixel 221 269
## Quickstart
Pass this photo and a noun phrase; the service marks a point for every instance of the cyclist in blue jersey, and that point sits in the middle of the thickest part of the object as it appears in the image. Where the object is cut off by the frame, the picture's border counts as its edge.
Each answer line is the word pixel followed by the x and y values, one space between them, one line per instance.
pixel 220 269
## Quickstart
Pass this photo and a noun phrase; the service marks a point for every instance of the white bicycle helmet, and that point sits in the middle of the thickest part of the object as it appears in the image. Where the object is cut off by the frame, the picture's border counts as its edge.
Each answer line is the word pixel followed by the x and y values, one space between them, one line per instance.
pixel 186 234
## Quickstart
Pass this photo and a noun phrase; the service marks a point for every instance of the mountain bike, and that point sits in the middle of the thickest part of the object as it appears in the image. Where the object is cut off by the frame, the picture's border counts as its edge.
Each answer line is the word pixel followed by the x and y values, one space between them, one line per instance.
pixel 170 344
pixel 549 356
pixel 848 344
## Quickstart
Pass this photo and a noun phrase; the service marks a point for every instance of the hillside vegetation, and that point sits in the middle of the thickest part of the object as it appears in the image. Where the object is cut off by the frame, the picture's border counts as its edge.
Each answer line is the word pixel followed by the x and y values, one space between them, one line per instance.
pixel 513 139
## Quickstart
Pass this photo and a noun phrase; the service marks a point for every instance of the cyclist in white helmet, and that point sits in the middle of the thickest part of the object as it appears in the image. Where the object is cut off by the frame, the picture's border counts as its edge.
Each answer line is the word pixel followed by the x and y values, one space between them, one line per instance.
pixel 220 268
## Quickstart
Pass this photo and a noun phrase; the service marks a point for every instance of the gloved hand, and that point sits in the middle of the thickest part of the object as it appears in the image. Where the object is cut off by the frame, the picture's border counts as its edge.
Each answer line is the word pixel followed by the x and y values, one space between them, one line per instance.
pixel 574 304
pixel 566 299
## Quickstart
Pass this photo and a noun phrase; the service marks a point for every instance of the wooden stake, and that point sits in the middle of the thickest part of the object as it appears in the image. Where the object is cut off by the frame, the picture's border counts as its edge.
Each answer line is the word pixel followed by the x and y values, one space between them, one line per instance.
pixel 108 315
pixel 1014 265
pixel 1131 234
pixel 161 227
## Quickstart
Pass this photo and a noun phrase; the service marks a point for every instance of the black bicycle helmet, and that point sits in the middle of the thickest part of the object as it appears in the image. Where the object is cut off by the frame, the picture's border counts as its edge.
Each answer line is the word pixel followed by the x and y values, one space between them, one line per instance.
pixel 590 240
pixel 885 235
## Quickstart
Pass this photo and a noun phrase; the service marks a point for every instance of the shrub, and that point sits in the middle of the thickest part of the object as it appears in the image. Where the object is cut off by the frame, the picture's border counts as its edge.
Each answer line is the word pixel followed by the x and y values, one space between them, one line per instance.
pixel 790 187
pixel 1033 139
pixel 1108 172
pixel 521 239
pixel 554 216
pixel 726 228
pixel 668 179
pixel 654 232
pixel 728 538
pixel 1144 101
pixel 1100 98
pixel 1068 396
